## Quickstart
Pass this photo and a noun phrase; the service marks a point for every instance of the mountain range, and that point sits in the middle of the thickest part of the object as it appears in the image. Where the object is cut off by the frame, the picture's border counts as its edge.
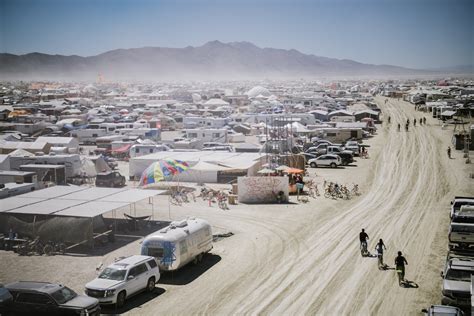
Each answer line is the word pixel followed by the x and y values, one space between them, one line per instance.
pixel 213 61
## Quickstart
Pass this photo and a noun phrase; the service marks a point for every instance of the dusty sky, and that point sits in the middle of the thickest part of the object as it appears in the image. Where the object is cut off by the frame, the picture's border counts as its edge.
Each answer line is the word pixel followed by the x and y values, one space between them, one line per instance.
pixel 410 33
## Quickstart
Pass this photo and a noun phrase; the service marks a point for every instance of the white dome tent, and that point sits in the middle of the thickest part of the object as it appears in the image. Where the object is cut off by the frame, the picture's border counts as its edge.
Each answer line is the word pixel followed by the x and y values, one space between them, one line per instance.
pixel 258 91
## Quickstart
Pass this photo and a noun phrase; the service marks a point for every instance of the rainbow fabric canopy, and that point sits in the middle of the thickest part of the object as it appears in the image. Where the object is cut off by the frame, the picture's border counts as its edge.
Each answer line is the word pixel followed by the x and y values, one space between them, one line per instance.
pixel 161 170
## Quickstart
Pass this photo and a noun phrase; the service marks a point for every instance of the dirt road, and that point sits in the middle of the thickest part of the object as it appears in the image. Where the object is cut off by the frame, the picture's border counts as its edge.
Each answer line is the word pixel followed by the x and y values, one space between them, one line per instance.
pixel 307 260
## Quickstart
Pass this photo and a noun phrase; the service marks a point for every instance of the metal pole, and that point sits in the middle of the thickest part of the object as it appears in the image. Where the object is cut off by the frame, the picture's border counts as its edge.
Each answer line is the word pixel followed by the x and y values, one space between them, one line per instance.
pixel 169 209
pixel 92 233
pixel 152 209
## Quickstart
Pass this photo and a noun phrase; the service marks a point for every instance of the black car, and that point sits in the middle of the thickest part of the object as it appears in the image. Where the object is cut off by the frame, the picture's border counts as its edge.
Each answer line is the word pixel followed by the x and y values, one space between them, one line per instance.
pixel 347 158
pixel 109 179
pixel 42 298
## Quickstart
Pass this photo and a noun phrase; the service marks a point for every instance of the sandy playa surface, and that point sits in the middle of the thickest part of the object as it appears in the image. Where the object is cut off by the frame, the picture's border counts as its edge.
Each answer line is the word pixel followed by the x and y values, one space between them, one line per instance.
pixel 303 258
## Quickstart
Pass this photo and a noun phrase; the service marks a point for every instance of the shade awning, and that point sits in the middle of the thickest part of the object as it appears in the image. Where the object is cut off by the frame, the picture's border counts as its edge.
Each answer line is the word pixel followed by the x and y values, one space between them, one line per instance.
pixel 73 201
pixel 122 149
pixel 448 113
pixel 91 209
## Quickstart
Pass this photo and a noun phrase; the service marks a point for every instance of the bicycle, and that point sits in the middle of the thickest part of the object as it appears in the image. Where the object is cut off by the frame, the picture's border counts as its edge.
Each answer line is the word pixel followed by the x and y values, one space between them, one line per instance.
pixel 345 193
pixel 33 246
pixel 222 201
pixel 363 249
pixel 52 247
pixel 328 192
pixel 175 199
pixel 401 275
pixel 355 190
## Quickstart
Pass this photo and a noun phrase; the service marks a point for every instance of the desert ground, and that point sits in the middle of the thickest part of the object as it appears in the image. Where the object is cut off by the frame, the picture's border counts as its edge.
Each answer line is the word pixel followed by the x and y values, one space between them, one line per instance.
pixel 303 258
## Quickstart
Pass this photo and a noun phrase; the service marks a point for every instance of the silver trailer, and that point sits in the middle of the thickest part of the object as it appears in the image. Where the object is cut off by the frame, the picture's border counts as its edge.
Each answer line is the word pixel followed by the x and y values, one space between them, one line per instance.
pixel 179 243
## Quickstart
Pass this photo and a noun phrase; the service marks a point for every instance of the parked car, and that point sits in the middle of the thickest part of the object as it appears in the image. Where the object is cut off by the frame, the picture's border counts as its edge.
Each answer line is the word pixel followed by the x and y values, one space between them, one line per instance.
pixel 309 156
pixel 43 298
pixel 461 235
pixel 464 215
pixel 109 179
pixel 459 201
pixel 317 149
pixel 324 141
pixel 123 279
pixel 353 146
pixel 457 280
pixel 347 156
pixel 325 160
pixel 438 310
pixel 6 299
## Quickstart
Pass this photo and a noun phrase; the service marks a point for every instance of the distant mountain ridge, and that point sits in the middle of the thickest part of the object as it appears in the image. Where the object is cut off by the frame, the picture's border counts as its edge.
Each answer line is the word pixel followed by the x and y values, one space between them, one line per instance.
pixel 213 60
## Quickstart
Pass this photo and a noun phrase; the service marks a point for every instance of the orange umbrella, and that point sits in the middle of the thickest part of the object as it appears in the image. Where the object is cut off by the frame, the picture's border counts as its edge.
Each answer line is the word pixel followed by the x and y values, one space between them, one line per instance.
pixel 293 170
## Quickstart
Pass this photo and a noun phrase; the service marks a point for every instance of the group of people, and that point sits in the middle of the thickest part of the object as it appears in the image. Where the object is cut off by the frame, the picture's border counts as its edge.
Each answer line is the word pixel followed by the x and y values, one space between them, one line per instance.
pixel 400 260
pixel 407 124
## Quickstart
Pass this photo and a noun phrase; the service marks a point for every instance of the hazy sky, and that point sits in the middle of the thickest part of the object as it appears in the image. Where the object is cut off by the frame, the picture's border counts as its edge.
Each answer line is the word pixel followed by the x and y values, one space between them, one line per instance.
pixel 411 33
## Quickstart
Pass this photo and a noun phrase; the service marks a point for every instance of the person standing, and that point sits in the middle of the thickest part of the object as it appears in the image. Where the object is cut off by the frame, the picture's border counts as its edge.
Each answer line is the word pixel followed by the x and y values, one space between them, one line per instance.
pixel 400 263
pixel 449 152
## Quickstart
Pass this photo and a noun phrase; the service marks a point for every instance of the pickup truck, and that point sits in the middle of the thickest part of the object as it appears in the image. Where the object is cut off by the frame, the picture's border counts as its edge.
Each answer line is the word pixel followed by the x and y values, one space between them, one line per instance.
pixel 346 155
pixel 352 146
pixel 110 179
pixel 457 280
pixel 459 201
pixel 324 141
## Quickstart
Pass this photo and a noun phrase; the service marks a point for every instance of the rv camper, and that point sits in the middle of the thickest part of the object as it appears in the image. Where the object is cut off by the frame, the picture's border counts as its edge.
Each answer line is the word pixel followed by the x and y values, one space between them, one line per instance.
pixel 179 243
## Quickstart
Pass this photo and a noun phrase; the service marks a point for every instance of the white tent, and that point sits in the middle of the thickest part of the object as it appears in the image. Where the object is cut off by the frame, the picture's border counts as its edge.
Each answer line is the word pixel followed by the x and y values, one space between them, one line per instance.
pixel 88 167
pixel 202 172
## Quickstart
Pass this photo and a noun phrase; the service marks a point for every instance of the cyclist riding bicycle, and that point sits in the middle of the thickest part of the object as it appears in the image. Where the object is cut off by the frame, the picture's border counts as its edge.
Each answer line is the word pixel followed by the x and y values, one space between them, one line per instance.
pixel 363 237
pixel 400 262
pixel 380 247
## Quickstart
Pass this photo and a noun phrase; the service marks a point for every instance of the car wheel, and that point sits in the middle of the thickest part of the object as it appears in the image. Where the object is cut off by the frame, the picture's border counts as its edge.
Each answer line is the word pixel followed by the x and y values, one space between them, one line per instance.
pixel 333 165
pixel 120 299
pixel 313 165
pixel 150 285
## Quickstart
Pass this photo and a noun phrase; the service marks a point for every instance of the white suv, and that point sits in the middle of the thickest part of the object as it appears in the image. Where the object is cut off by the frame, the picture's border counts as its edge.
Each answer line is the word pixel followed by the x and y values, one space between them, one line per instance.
pixel 124 278
pixel 325 160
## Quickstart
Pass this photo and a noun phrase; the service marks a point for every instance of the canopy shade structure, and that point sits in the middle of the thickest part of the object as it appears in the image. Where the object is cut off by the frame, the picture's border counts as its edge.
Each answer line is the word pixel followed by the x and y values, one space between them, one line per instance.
pixel 448 113
pixel 71 214
pixel 91 209
pixel 266 171
pixel 74 201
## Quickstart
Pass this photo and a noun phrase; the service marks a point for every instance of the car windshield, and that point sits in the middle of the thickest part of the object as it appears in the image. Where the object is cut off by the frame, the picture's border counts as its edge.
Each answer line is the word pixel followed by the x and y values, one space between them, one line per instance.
pixel 63 295
pixel 113 274
pixel 459 275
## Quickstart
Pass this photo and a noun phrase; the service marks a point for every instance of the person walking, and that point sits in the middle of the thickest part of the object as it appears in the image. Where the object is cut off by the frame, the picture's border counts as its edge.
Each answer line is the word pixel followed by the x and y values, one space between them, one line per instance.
pixel 424 121
pixel 449 152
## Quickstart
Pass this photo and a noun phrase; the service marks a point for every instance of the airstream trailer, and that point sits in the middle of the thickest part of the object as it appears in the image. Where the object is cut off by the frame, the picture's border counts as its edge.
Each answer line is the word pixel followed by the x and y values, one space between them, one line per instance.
pixel 179 243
